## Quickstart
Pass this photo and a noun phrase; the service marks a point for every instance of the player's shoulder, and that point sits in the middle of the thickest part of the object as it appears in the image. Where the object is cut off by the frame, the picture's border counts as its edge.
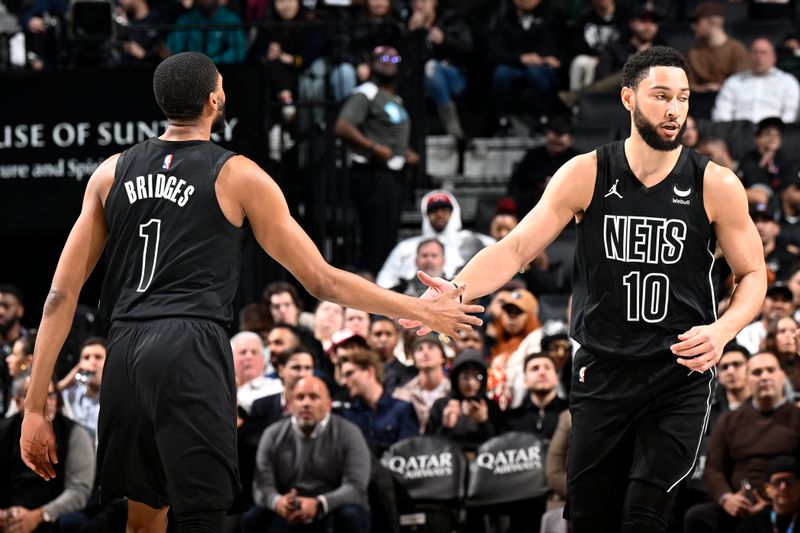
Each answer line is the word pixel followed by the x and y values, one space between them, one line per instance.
pixel 717 178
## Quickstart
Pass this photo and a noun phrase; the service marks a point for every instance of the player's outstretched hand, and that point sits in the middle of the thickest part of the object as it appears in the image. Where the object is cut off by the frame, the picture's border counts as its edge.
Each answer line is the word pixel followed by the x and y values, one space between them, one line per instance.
pixel 447 315
pixel 700 348
pixel 38 445
pixel 436 287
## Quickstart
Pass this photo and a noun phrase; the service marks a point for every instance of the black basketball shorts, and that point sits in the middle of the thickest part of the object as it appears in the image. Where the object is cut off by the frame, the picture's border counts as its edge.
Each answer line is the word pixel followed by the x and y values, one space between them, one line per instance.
pixel 632 419
pixel 167 426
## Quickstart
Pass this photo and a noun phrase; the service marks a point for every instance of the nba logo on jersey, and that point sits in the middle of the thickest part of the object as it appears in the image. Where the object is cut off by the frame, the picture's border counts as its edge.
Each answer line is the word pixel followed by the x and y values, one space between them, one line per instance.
pixel 582 374
pixel 167 162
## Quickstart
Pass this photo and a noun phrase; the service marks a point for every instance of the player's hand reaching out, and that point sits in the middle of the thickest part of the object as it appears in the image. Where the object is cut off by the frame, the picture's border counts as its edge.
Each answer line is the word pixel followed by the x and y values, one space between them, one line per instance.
pixel 436 287
pixel 700 348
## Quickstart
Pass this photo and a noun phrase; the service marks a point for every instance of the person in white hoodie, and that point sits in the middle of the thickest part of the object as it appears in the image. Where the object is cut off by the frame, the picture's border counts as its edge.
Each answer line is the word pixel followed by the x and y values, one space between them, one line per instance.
pixel 441 219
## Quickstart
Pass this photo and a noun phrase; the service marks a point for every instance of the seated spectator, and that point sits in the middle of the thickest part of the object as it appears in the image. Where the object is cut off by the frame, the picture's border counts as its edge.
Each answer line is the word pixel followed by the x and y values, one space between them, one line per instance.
pixel 524 47
pixel 778 303
pixel 312 468
pixel 759 92
pixel 29 503
pixel 715 56
pixel 789 197
pixel 742 444
pixel 780 340
pixel 222 46
pixel 141 44
pixel 783 489
pixel 293 365
pixel 541 408
pixel 285 50
pixel 80 389
pixel 557 345
pixel 383 339
pixel 281 339
pixel 344 342
pixel 442 43
pixel 431 382
pixel 286 306
pixel 533 172
pixel 767 162
pixel 441 220
pixel 382 419
pixel 690 134
pixel 518 318
pixel 11 330
pixel 248 366
pixel 779 252
pixel 357 321
pixel 466 415
pixel 732 372
pixel 256 317
pixel 504 220
pixel 19 363
pixel 328 318
pixel 471 340
pixel 430 260
pixel 601 23
pixel 758 191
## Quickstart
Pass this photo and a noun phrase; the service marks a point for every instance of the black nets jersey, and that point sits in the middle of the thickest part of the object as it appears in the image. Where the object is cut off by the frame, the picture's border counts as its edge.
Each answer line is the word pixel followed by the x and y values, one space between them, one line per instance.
pixel 644 258
pixel 171 252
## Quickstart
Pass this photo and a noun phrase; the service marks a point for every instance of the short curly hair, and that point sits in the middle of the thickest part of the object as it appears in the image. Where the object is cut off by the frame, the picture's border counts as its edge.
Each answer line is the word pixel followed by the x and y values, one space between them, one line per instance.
pixel 639 64
pixel 181 84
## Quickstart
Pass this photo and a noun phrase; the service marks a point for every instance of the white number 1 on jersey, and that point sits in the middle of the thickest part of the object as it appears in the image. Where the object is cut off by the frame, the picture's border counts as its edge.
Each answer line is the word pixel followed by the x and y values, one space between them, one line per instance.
pixel 151 233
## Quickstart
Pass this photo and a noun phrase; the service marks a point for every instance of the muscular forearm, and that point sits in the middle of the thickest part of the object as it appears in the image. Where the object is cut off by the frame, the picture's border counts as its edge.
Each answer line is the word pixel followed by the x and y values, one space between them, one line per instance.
pixel 489 270
pixel 745 303
pixel 59 309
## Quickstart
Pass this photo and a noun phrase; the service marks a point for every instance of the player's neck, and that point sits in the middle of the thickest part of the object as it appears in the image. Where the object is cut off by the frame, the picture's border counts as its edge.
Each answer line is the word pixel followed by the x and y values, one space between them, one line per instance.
pixel 648 164
pixel 186 132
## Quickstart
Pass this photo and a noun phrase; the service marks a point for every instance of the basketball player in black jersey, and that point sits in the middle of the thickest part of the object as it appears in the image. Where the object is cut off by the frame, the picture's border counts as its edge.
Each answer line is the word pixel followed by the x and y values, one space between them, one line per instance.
pixel 648 214
pixel 169 213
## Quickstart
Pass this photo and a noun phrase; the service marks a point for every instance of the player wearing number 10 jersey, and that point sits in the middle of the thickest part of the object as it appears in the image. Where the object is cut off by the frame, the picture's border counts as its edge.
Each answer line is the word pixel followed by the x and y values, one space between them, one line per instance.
pixel 648 214
pixel 169 212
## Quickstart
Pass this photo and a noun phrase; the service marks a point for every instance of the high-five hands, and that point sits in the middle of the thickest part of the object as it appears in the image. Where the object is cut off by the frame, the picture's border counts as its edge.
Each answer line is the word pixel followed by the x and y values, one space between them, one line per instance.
pixel 447 313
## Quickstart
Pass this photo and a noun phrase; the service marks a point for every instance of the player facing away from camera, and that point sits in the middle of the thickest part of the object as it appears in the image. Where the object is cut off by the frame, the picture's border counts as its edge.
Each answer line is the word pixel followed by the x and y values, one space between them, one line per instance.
pixel 648 214
pixel 169 212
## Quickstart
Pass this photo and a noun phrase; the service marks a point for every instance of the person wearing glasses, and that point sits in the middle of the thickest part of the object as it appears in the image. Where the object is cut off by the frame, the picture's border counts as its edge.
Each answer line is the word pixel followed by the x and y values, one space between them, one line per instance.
pixel 783 489
pixel 466 415
pixel 376 125
pixel 742 443
pixel 382 419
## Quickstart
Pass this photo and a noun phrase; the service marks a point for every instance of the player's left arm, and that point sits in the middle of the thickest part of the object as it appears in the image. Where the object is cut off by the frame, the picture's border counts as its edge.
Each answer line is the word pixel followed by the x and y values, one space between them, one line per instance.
pixel 79 257
pixel 726 205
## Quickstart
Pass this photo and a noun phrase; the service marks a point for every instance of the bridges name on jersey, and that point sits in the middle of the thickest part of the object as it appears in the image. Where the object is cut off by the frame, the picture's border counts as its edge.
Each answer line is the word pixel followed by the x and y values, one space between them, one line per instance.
pixel 169 188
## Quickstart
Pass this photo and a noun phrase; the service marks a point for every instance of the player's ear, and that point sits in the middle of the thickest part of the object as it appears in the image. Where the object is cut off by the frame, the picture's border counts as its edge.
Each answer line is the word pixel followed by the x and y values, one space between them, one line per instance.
pixel 627 95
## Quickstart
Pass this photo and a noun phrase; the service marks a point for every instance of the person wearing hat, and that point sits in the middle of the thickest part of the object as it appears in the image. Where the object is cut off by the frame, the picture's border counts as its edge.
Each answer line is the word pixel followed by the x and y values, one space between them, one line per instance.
pixel 783 490
pixel 519 316
pixel 441 220
pixel 376 125
pixel 778 303
pixel 759 92
pixel 715 55
pixel 466 415
pixel 538 165
pixel 430 384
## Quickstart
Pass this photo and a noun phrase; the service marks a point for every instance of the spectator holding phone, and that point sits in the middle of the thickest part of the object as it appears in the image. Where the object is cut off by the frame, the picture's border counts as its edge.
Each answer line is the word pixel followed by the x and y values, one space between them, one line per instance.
pixel 466 415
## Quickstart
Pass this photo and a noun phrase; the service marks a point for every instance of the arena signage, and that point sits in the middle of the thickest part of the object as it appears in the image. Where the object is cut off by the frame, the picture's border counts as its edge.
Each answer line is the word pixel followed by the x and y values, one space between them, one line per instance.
pixel 76 119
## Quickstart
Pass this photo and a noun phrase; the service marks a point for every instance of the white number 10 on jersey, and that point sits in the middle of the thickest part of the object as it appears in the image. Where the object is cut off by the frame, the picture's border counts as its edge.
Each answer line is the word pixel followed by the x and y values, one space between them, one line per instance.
pixel 648 297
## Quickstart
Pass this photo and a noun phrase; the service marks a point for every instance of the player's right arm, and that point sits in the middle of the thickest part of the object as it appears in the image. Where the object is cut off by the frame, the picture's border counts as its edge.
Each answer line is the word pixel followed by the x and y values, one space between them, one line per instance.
pixel 79 257
pixel 247 191
pixel 567 195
